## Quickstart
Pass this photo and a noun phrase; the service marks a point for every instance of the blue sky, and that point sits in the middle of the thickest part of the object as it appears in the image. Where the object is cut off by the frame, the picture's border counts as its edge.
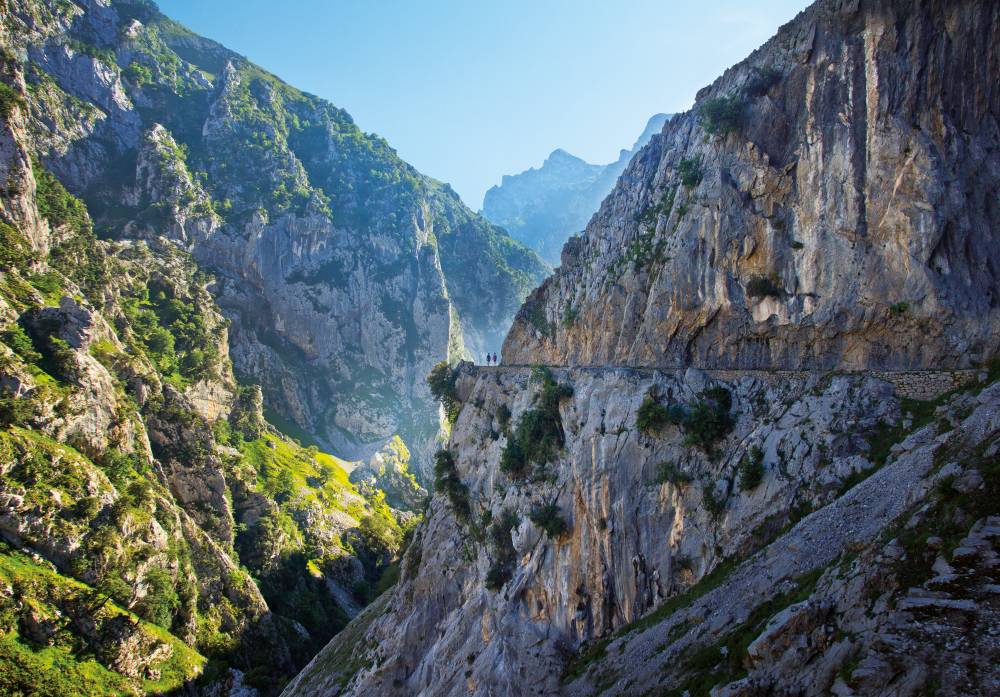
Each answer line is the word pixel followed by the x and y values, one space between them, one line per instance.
pixel 469 90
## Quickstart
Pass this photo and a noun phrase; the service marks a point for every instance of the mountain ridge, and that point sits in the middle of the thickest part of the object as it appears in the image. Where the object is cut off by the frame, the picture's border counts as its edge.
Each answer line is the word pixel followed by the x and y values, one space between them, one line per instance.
pixel 542 206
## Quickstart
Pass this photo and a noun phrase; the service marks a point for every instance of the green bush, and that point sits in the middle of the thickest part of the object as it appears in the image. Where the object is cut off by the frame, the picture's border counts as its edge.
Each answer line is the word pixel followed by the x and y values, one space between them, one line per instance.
pixel 122 468
pixel 538 318
pixel 56 205
pixel 503 417
pixel 715 506
pixel 446 480
pixel 87 507
pixel 380 532
pixel 539 436
pixel 653 416
pixel 899 309
pixel 752 469
pixel 15 252
pixel 669 473
pixel 17 411
pixel 703 424
pixel 442 381
pixel 722 114
pixel 161 601
pixel 690 172
pixel 709 420
pixel 20 343
pixel 504 554
pixel 9 98
pixel 764 286
pixel 138 74
pixel 549 518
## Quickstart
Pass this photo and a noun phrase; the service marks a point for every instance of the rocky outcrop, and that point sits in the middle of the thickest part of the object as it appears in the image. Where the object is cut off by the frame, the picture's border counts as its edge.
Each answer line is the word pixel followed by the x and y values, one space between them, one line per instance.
pixel 542 207
pixel 137 476
pixel 389 471
pixel 825 205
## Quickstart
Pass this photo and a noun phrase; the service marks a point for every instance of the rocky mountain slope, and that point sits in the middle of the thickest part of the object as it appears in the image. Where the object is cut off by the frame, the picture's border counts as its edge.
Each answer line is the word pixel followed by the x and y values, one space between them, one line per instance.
pixel 703 500
pixel 157 534
pixel 345 274
pixel 542 207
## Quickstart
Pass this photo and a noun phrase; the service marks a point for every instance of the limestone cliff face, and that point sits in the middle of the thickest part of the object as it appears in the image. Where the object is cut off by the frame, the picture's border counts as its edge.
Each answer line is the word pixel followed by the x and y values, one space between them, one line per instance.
pixel 345 272
pixel 647 520
pixel 828 203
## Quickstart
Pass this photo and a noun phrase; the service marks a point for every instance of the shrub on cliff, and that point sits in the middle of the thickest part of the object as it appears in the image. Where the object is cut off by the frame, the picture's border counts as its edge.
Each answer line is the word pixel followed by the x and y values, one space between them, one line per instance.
pixel 9 98
pixel 539 436
pixel 709 420
pixel 752 469
pixel 17 411
pixel 15 252
pixel 652 416
pixel 703 424
pixel 447 481
pixel 18 341
pixel 502 546
pixel 503 417
pixel 670 473
pixel 442 381
pixel 690 172
pixel 722 114
pixel 549 518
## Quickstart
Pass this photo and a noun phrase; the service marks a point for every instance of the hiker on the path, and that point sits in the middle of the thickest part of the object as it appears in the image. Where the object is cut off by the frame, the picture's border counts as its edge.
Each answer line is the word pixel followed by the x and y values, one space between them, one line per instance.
pixel 487 359
pixel 494 359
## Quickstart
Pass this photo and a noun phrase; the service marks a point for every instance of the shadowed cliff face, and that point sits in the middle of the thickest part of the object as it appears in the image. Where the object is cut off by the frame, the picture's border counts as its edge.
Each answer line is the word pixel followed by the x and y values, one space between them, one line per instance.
pixel 841 213
pixel 346 273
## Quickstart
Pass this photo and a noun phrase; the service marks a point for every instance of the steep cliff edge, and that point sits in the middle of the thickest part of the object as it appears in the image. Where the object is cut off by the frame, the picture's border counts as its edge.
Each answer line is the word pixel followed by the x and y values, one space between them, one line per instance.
pixel 622 523
pixel 346 274
pixel 829 203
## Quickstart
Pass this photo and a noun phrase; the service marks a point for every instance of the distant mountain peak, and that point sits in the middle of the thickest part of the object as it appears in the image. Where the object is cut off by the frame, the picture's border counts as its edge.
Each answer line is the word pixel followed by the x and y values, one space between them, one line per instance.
pixel 541 207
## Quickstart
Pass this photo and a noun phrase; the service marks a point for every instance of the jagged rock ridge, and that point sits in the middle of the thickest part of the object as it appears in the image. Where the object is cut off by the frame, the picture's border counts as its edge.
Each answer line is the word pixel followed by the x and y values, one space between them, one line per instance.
pixel 542 207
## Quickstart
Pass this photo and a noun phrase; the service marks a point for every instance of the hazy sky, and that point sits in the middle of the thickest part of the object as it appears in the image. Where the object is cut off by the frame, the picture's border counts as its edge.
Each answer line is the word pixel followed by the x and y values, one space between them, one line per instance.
pixel 470 90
